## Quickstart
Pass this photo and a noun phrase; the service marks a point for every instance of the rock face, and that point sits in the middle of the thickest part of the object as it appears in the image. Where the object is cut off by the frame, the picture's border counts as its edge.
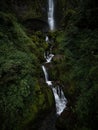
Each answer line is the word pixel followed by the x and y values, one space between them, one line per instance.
pixel 35 9
pixel 36 25
pixel 26 9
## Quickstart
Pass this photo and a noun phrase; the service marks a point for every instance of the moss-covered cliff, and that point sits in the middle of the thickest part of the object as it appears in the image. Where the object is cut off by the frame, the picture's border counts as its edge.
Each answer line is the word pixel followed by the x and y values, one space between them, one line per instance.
pixel 76 65
pixel 23 95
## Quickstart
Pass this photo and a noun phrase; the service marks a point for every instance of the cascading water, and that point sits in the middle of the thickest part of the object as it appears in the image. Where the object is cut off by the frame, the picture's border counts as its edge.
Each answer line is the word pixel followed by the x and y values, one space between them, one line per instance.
pixel 51 14
pixel 46 76
pixel 47 39
pixel 49 58
pixel 60 99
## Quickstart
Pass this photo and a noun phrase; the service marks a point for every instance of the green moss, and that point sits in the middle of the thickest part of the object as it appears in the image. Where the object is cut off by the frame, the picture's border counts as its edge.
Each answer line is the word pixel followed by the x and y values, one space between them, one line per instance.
pixel 50 97
pixel 43 101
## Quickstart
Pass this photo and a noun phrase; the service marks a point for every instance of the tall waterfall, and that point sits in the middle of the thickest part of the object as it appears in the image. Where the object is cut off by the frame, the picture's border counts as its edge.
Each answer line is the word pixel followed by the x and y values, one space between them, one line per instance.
pixel 51 14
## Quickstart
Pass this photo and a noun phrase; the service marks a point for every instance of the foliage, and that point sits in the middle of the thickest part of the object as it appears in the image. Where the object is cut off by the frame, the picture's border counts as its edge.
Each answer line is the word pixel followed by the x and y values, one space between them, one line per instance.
pixel 78 72
pixel 21 97
pixel 78 69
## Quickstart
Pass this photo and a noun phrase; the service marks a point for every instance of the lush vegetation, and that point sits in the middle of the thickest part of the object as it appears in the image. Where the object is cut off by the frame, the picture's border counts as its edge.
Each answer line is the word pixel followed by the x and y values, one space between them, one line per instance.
pixel 78 72
pixel 77 66
pixel 24 97
pixel 23 94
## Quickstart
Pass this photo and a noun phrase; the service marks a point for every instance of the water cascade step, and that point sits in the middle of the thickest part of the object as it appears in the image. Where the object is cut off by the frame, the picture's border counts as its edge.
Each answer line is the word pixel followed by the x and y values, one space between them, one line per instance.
pixel 48 57
pixel 60 99
pixel 49 83
pixel 47 39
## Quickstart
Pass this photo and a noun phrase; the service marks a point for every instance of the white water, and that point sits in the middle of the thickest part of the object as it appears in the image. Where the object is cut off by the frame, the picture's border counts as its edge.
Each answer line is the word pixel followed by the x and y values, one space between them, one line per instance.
pixel 49 83
pixel 60 99
pixel 49 58
pixel 47 39
pixel 51 14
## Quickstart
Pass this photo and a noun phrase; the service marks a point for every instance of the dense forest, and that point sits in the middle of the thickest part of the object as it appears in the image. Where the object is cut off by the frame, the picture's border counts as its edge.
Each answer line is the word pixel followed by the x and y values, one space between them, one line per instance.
pixel 25 98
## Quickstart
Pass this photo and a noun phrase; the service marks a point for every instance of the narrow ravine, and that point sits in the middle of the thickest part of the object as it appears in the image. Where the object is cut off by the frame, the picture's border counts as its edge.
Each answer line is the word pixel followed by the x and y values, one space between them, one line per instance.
pixel 60 101
pixel 59 97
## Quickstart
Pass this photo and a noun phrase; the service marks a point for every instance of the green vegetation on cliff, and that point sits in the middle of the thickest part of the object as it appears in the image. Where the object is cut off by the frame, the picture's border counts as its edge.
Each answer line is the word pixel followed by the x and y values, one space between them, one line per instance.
pixel 78 71
pixel 23 95
pixel 77 65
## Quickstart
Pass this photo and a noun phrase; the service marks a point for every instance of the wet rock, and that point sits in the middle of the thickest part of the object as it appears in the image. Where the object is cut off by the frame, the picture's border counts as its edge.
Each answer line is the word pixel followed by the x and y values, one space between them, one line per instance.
pixel 66 121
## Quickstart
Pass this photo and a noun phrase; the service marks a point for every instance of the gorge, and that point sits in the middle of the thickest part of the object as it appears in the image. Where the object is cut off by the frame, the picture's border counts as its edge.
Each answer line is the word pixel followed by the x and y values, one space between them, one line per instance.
pixel 60 99
pixel 48 65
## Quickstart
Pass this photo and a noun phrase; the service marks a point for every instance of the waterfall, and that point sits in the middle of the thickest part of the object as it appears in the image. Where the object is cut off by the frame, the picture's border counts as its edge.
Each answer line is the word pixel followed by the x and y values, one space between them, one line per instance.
pixel 47 39
pixel 49 83
pixel 60 99
pixel 51 14
pixel 49 58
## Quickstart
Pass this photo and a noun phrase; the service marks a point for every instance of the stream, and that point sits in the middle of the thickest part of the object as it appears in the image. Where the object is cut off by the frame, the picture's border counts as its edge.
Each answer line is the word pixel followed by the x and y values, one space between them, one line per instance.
pixel 60 101
pixel 59 97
